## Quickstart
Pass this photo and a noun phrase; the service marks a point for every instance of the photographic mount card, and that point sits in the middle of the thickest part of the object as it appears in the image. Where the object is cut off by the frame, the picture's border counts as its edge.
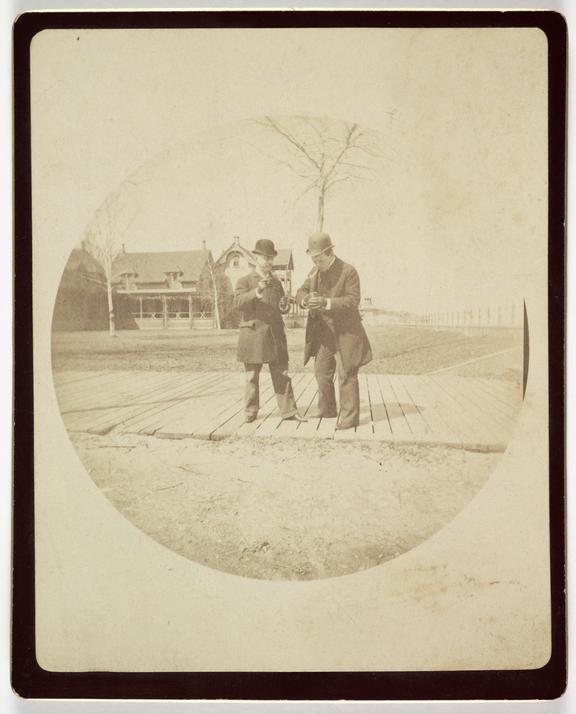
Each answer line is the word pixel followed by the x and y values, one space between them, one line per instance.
pixel 408 169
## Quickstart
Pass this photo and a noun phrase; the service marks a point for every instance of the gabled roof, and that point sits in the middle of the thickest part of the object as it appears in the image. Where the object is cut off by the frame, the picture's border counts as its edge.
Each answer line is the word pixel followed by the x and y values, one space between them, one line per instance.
pixel 282 260
pixel 152 267
pixel 81 261
pixel 235 248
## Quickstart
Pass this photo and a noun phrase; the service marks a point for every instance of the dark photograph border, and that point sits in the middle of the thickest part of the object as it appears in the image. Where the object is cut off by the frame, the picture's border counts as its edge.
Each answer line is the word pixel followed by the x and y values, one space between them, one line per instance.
pixel 31 681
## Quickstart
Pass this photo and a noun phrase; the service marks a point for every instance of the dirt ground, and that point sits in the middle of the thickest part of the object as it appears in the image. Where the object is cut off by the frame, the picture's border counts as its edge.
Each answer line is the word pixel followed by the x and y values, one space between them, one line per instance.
pixel 283 509
pixel 286 509
pixel 397 349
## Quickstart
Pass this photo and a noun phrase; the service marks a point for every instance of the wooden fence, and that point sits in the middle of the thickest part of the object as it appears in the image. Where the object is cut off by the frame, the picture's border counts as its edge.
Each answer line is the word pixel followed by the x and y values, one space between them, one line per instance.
pixel 510 316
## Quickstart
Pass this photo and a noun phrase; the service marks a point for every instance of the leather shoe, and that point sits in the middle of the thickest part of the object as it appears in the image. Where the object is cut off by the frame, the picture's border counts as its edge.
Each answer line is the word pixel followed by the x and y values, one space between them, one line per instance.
pixel 295 417
pixel 341 427
pixel 249 418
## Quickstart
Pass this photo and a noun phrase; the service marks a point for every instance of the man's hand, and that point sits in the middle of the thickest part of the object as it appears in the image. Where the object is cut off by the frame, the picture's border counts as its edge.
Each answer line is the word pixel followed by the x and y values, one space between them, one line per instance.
pixel 263 283
pixel 317 302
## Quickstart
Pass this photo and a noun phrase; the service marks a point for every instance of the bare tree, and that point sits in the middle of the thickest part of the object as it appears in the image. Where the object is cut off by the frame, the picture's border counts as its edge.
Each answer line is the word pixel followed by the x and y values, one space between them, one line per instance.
pixel 216 297
pixel 324 154
pixel 103 240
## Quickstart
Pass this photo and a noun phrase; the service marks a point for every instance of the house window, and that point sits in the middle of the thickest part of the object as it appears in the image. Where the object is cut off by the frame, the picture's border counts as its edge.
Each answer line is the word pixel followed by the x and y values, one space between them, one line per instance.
pixel 173 280
pixel 234 260
pixel 128 281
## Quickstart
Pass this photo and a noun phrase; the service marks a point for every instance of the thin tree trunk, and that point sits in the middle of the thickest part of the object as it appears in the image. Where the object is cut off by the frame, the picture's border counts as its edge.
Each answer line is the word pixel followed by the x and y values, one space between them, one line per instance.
pixel 320 219
pixel 216 306
pixel 111 322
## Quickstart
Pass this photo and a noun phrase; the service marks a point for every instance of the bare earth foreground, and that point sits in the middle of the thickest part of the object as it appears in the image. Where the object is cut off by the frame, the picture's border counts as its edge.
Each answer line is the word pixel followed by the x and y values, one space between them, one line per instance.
pixel 273 509
pixel 286 508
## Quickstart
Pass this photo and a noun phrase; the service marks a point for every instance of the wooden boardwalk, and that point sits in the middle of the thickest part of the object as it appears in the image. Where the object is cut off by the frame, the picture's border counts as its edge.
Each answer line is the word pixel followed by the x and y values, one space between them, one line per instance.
pixel 458 412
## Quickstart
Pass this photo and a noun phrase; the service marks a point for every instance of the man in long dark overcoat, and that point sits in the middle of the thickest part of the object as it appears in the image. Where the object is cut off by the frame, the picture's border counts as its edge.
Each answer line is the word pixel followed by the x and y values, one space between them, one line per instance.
pixel 335 336
pixel 262 338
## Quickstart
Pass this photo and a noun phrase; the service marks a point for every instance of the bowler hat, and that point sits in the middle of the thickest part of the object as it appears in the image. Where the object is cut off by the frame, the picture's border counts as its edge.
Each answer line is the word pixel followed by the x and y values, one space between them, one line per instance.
pixel 318 243
pixel 265 247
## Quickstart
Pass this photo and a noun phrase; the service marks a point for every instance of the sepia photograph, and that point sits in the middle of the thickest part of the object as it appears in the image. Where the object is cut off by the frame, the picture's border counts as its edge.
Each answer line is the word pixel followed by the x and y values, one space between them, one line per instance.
pixel 291 344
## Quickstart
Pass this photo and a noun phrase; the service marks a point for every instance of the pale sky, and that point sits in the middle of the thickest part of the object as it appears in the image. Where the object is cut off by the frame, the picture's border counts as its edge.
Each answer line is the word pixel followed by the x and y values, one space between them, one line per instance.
pixel 456 217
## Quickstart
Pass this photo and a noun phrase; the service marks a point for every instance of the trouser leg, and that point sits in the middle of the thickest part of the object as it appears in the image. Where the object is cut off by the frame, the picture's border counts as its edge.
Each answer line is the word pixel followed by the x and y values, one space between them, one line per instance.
pixel 349 394
pixel 324 368
pixel 283 389
pixel 252 389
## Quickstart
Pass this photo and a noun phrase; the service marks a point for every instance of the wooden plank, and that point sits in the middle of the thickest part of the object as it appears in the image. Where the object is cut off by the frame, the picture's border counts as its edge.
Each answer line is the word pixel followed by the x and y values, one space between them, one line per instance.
pixel 507 399
pixel 422 427
pixel 398 424
pixel 268 406
pixel 90 380
pixel 64 378
pixel 315 428
pixel 441 432
pixel 88 395
pixel 146 403
pixel 326 428
pixel 500 387
pixel 380 421
pixel 233 421
pixel 151 401
pixel 501 423
pixel 195 412
pixel 477 427
pixel 193 388
pixel 364 430
pixel 270 424
pixel 506 412
pixel 228 421
pixel 456 413
pixel 418 425
pixel 459 412
pixel 106 401
pixel 305 397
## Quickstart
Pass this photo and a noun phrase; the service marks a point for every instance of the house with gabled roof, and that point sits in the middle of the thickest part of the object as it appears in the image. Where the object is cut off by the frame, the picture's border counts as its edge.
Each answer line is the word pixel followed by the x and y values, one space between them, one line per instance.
pixel 81 301
pixel 171 289
pixel 237 261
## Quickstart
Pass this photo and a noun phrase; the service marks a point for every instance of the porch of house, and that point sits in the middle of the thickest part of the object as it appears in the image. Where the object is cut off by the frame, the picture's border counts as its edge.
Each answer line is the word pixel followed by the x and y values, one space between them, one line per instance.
pixel 166 311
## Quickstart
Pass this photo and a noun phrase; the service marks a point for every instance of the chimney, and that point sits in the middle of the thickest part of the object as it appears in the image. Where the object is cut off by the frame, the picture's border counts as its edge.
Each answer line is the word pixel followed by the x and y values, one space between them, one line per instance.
pixel 237 240
pixel 123 247
pixel 203 245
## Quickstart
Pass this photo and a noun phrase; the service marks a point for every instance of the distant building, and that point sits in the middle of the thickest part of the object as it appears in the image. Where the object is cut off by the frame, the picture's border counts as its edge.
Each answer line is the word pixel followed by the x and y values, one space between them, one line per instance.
pixel 237 261
pixel 81 302
pixel 158 290
pixel 171 290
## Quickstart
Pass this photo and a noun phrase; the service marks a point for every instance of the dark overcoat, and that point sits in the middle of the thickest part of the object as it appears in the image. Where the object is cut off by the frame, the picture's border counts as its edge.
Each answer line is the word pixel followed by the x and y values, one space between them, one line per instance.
pixel 341 284
pixel 261 338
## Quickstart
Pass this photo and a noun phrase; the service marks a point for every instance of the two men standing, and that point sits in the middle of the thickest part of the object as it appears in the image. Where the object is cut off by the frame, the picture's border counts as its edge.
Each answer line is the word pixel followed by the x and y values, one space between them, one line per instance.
pixel 335 336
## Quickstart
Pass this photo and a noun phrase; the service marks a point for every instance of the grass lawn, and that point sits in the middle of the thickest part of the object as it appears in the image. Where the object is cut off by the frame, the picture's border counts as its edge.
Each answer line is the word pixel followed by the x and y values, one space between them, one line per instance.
pixel 397 349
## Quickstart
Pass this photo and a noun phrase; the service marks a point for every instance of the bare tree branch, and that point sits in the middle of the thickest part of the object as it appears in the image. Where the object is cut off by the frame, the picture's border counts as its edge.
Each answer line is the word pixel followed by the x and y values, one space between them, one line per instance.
pixel 292 140
pixel 103 241
pixel 332 153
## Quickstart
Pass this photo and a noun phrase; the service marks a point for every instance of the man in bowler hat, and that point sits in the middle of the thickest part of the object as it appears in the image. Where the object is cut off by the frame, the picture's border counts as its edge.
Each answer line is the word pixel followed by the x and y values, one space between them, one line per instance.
pixel 335 336
pixel 262 339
